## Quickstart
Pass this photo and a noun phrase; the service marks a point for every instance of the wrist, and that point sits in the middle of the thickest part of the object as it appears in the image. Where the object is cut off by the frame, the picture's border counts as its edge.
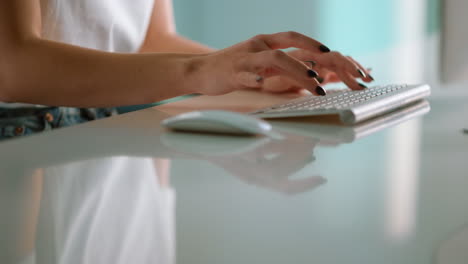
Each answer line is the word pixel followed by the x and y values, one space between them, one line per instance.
pixel 194 73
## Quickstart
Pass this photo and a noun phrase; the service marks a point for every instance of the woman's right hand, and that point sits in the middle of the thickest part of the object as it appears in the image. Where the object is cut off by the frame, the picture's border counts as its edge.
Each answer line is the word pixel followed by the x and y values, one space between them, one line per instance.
pixel 249 63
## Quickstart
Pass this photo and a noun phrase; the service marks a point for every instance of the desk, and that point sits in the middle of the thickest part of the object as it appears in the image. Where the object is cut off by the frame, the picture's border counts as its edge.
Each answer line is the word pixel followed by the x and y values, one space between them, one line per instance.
pixel 123 190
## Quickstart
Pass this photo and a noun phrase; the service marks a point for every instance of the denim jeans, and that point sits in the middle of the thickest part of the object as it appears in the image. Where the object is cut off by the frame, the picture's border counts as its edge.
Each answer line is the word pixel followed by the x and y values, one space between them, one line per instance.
pixel 16 122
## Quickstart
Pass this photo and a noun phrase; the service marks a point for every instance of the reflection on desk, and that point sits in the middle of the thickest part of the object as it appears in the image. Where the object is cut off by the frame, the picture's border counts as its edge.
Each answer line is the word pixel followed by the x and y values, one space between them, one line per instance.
pixel 339 133
pixel 109 138
pixel 109 210
pixel 102 193
pixel 261 161
pixel 90 204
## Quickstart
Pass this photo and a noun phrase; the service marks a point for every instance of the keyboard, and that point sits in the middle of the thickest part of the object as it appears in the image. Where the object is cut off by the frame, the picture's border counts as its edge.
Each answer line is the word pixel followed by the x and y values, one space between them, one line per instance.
pixel 351 106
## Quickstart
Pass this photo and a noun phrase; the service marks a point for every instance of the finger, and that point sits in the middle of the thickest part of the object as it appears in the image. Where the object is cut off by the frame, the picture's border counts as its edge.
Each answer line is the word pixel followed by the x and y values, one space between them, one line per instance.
pixel 291 39
pixel 334 61
pixel 250 80
pixel 350 81
pixel 310 63
pixel 337 62
pixel 343 66
pixel 322 72
pixel 369 77
pixel 328 76
pixel 279 84
pixel 276 62
pixel 332 78
pixel 325 75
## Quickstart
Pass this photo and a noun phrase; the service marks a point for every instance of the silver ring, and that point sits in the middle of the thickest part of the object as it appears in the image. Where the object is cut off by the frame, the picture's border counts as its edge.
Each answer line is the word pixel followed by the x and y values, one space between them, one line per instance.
pixel 259 78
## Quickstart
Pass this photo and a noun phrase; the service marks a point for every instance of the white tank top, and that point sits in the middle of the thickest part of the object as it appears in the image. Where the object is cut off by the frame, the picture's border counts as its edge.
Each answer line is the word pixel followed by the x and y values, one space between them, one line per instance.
pixel 108 25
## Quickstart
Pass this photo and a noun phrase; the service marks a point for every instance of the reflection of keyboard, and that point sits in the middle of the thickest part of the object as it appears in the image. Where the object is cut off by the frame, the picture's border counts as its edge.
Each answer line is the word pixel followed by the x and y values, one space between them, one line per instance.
pixel 352 106
pixel 337 134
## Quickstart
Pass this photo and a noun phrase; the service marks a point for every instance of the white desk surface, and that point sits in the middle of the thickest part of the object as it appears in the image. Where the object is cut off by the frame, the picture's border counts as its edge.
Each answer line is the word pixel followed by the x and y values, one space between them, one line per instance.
pixel 123 190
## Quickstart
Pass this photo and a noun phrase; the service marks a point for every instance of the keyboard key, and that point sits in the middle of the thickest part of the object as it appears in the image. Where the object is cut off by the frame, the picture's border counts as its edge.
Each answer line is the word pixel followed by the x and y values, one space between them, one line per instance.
pixel 338 100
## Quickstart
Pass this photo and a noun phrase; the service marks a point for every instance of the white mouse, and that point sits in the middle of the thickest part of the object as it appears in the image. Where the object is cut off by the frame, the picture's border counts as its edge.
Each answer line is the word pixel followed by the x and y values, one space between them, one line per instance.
pixel 216 121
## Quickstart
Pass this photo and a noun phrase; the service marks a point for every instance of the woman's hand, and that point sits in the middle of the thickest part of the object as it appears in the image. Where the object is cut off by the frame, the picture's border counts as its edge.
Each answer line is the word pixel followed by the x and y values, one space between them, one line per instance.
pixel 332 67
pixel 280 84
pixel 257 62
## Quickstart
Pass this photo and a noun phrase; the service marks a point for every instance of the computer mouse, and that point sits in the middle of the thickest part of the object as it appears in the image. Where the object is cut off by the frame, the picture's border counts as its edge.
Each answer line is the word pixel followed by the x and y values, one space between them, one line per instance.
pixel 217 121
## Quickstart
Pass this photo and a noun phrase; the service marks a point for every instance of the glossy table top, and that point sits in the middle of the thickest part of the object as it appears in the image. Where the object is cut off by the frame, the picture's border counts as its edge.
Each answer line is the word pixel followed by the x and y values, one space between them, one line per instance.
pixel 124 190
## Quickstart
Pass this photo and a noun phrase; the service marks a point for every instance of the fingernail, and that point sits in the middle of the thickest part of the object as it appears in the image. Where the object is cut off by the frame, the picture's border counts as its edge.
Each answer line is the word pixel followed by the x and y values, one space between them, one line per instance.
pixel 320 79
pixel 362 85
pixel 320 91
pixel 370 77
pixel 361 73
pixel 324 48
pixel 312 73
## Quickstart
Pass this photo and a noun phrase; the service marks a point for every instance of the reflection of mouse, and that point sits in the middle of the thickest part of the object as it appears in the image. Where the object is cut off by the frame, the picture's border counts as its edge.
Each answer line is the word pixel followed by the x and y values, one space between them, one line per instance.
pixel 206 145
pixel 214 121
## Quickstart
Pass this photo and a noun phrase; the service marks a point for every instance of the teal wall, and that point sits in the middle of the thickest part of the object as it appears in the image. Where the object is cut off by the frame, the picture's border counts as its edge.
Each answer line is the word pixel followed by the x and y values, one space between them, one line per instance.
pixel 353 27
pixel 221 23
pixel 188 18
pixel 433 19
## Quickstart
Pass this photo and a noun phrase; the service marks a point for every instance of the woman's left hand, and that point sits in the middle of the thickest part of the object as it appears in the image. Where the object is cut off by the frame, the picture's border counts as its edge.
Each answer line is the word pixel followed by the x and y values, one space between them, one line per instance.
pixel 281 84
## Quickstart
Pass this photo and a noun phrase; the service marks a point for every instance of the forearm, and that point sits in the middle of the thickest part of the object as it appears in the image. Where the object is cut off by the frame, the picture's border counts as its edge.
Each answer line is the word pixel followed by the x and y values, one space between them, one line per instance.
pixel 171 42
pixel 51 73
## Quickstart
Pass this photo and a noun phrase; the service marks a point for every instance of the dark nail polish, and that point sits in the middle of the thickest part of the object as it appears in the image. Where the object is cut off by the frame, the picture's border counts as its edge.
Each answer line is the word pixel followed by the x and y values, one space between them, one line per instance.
pixel 320 79
pixel 320 91
pixel 361 73
pixel 324 48
pixel 370 77
pixel 312 74
pixel 362 85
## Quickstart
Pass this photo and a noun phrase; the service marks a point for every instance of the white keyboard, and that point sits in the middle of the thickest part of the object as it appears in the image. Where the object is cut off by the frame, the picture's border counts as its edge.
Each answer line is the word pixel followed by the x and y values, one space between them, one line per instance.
pixel 352 106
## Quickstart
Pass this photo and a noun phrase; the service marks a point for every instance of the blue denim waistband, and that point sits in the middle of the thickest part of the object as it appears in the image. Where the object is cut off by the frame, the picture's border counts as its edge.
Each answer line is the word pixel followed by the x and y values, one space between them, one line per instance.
pixel 25 121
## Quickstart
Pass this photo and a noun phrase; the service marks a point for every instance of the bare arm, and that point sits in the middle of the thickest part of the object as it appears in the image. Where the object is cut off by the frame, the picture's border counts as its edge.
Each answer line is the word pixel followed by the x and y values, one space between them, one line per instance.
pixel 162 35
pixel 34 70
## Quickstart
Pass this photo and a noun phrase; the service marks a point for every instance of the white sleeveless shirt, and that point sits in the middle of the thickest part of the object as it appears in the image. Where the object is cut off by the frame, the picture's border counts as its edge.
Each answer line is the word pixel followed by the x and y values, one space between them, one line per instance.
pixel 108 25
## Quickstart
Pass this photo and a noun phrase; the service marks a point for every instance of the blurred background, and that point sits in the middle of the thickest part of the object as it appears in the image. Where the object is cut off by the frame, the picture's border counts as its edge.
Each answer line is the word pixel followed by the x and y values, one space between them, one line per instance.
pixel 397 38
pixel 358 27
